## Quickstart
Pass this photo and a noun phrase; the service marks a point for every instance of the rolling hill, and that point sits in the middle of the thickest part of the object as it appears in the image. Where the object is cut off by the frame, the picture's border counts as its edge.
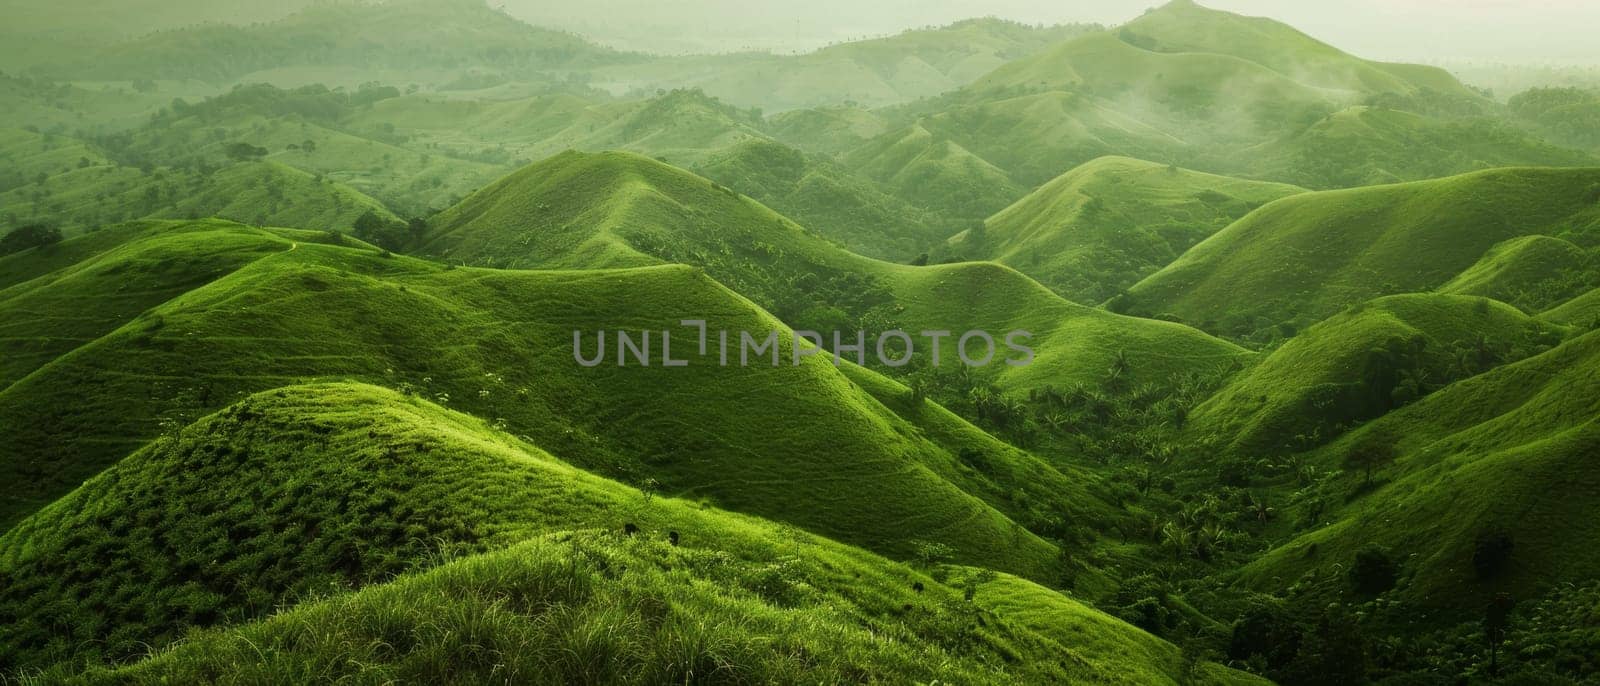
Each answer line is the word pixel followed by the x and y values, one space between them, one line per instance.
pixel 1469 465
pixel 1367 145
pixel 424 40
pixel 580 581
pixel 1303 258
pixel 586 211
pixel 1098 229
pixel 823 195
pixel 1534 273
pixel 1361 364
pixel 497 346
pixel 870 73
pixel 262 193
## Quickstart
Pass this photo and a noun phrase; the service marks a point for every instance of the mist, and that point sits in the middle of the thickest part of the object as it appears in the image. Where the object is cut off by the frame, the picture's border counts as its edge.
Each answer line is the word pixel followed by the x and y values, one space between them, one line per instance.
pixel 1551 31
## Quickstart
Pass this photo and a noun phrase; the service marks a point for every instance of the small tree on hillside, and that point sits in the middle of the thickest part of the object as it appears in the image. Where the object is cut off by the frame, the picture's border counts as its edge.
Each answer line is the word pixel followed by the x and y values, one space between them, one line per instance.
pixel 1374 570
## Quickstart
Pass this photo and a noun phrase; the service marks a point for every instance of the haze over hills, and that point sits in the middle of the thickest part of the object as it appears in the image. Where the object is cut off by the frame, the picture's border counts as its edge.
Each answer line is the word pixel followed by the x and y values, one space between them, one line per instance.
pixel 357 341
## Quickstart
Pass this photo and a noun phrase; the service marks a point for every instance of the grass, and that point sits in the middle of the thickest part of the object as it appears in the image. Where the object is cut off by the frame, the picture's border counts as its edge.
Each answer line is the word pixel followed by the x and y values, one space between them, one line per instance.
pixel 1303 258
pixel 1534 273
pixel 826 197
pixel 1367 145
pixel 1360 365
pixel 386 483
pixel 816 450
pixel 934 172
pixel 260 193
pixel 1507 452
pixel 611 210
pixel 1098 229
pixel 870 73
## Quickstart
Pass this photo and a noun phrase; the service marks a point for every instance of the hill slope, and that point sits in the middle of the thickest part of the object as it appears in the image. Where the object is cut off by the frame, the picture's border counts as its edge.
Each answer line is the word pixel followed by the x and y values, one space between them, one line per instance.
pixel 416 38
pixel 1103 226
pixel 817 451
pixel 1361 364
pixel 1476 460
pixel 597 211
pixel 1531 272
pixel 871 73
pixel 378 479
pixel 1303 258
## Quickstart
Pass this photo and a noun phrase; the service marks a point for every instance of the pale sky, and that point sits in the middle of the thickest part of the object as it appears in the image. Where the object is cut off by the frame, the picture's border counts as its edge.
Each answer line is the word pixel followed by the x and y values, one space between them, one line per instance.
pixel 1523 31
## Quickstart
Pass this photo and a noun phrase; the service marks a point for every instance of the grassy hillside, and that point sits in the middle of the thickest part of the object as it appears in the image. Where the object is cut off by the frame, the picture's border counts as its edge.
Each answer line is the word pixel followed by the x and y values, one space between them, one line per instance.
pixel 826 197
pixel 1103 226
pixel 871 73
pixel 1201 93
pixel 935 173
pixel 1583 310
pixel 38 34
pixel 495 344
pixel 829 130
pixel 1361 364
pixel 387 484
pixel 313 129
pixel 1182 26
pixel 1301 259
pixel 1534 273
pixel 1370 145
pixel 1469 469
pixel 30 156
pixel 425 36
pixel 262 193
pixel 130 269
pixel 610 210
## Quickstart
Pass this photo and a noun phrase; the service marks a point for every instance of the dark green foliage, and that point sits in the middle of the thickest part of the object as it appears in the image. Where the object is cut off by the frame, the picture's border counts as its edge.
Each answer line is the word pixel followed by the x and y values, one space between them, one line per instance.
pixel 28 237
pixel 1373 571
pixel 1492 555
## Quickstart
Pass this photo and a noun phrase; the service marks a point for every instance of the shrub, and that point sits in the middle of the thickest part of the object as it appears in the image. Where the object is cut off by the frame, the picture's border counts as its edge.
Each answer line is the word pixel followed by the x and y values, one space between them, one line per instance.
pixel 31 236
pixel 1374 570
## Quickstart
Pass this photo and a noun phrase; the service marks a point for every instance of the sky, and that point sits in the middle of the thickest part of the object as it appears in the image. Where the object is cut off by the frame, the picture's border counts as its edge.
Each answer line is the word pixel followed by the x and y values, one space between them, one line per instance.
pixel 1519 31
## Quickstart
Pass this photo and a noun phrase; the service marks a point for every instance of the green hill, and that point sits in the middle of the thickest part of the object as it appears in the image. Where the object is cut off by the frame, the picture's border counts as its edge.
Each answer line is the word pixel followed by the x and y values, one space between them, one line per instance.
pixel 1583 310
pixel 1532 272
pixel 935 173
pixel 1370 145
pixel 827 130
pixel 611 210
pixel 418 37
pixel 314 129
pixel 129 270
pixel 37 34
pixel 30 156
pixel 826 197
pixel 915 64
pixel 1098 229
pixel 1303 258
pixel 1183 26
pixel 1504 457
pixel 1362 364
pixel 817 451
pixel 386 484
pixel 262 193
pixel 1038 136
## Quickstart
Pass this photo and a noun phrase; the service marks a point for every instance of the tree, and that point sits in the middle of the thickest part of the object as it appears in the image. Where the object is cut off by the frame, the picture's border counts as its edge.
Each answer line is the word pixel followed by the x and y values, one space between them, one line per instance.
pixel 1369 459
pixel 30 236
pixel 244 152
pixel 1374 570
